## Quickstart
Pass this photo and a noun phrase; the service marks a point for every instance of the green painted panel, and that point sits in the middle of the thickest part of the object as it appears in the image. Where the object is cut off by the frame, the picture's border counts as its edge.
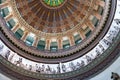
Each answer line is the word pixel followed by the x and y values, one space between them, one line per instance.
pixel 95 21
pixel 66 44
pixel 10 23
pixel 19 34
pixel 4 12
pixel 29 41
pixel 2 1
pixel 88 33
pixel 53 46
pixel 41 45
pixel 100 10
pixel 78 41
pixel 53 3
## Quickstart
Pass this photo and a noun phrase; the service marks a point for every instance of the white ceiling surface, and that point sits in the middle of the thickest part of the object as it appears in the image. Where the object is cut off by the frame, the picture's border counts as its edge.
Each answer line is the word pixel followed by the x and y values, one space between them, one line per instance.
pixel 2 77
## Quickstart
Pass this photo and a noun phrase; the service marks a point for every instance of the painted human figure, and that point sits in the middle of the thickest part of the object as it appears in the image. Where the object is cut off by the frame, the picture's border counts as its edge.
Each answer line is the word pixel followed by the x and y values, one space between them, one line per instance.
pixel 39 69
pixel 97 52
pixel 72 66
pixel 7 54
pixel 58 69
pixel 89 59
pixel 36 67
pixel 43 68
pixel 102 48
pixel 11 57
pixel 63 68
pixel 117 21
pixel 48 69
pixel 78 65
pixel 117 28
pixel 110 38
pixel 106 42
pixel 113 33
pixel 19 61
pixel 30 67
pixel 82 63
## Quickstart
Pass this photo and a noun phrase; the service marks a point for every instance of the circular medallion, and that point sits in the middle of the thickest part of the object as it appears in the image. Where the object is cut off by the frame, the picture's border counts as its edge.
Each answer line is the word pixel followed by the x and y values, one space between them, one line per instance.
pixel 53 3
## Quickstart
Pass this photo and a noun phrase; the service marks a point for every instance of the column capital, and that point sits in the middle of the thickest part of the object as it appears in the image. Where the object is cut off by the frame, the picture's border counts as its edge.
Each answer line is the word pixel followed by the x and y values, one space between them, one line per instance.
pixel 101 3
pixel 24 36
pixel 59 41
pixel 96 14
pixel 47 44
pixel 3 5
pixel 8 17
pixel 90 25
pixel 15 28
pixel 35 41
pixel 72 41
pixel 82 34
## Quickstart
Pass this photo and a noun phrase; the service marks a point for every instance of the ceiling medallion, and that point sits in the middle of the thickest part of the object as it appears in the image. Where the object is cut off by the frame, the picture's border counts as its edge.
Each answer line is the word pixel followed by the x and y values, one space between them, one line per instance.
pixel 53 3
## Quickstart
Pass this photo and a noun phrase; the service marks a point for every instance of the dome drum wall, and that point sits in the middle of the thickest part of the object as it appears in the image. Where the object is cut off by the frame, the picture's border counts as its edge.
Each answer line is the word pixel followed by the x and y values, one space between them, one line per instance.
pixel 60 52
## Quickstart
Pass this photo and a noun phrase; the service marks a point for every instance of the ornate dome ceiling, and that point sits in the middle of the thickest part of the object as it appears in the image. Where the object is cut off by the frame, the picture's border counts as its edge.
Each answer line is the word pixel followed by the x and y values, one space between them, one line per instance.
pixel 54 19
pixel 52 32
pixel 43 28
pixel 63 19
